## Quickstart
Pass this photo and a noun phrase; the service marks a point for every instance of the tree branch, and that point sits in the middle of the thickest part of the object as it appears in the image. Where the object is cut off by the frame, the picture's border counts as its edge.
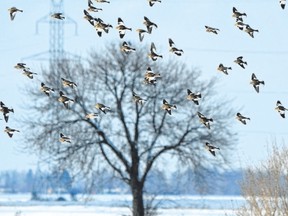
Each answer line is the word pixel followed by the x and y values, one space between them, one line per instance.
pixel 160 152
pixel 113 166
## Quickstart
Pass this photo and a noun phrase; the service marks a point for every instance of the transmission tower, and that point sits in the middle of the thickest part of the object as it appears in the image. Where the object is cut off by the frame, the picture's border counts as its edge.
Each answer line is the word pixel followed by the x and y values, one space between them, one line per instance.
pixel 56 34
pixel 56 53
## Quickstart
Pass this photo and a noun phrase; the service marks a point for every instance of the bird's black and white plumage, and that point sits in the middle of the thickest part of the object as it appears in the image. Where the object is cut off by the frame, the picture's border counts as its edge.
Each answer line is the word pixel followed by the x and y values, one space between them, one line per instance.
pixel 59 16
pixel 45 89
pixel 21 66
pixel 280 109
pixel 91 115
pixel 149 24
pixel 102 1
pixel 152 2
pixel 195 97
pixel 13 11
pixel 168 107
pixel 102 107
pixel 240 62
pixel 250 30
pixel 65 100
pixel 28 73
pixel 127 48
pixel 92 8
pixel 238 15
pixel 64 138
pixel 282 4
pixel 173 49
pixel 240 25
pixel 204 120
pixel 256 83
pixel 241 118
pixel 92 20
pixel 122 28
pixel 151 77
pixel 211 29
pixel 141 33
pixel 101 26
pixel 68 83
pixel 137 99
pixel 211 148
pixel 10 131
pixel 223 69
pixel 153 55
pixel 5 110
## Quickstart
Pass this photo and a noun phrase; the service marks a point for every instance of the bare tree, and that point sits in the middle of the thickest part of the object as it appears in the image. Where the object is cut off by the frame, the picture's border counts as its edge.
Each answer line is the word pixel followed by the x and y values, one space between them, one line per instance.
pixel 132 137
pixel 265 188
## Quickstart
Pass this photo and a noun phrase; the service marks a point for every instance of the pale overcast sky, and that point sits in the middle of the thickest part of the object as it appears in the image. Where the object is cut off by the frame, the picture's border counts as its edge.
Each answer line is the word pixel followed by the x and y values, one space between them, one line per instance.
pixel 183 21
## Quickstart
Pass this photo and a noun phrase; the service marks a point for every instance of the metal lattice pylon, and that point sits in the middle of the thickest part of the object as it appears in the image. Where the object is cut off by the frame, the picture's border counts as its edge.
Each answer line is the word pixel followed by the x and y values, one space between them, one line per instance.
pixel 56 53
pixel 56 34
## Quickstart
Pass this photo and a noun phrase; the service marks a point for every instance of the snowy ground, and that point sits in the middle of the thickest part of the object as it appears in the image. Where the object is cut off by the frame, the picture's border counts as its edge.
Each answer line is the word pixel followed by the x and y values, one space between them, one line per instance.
pixel 118 205
pixel 102 211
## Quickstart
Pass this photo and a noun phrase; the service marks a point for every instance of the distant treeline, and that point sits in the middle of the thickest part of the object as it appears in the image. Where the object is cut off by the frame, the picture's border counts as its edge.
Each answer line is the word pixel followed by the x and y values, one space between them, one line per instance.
pixel 158 182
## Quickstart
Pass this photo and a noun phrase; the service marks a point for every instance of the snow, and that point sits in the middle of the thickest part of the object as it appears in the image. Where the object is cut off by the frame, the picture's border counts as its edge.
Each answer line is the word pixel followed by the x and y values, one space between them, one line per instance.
pixel 118 205
pixel 102 211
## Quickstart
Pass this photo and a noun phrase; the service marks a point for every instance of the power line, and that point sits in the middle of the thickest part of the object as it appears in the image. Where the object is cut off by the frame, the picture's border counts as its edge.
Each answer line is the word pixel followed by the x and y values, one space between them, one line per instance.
pixel 265 52
pixel 262 132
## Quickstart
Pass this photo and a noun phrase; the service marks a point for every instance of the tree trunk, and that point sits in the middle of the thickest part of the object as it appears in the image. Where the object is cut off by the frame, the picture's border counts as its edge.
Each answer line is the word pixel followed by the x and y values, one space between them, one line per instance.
pixel 137 193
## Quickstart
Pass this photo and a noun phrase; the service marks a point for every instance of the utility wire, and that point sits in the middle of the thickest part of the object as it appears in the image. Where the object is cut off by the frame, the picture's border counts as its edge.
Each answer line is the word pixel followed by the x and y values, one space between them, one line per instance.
pixel 271 52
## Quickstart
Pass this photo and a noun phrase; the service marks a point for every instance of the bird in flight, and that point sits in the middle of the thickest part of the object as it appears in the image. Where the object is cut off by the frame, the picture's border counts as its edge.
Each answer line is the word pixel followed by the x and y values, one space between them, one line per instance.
pixel 282 4
pixel 58 16
pixel 137 99
pixel 240 25
pixel 238 15
pixel 13 11
pixel 141 33
pixel 173 49
pixel 100 26
pixel 151 77
pixel 91 115
pixel 223 69
pixel 68 83
pixel 65 100
pixel 240 62
pixel 28 73
pixel 153 55
pixel 204 120
pixel 168 107
pixel 126 48
pixel 92 20
pixel 10 131
pixel 211 29
pixel 64 138
pixel 102 107
pixel 195 97
pixel 250 30
pixel 122 28
pixel 103 1
pixel 152 2
pixel 21 66
pixel 256 83
pixel 92 8
pixel 5 110
pixel 280 109
pixel 47 90
pixel 149 24
pixel 211 148
pixel 241 118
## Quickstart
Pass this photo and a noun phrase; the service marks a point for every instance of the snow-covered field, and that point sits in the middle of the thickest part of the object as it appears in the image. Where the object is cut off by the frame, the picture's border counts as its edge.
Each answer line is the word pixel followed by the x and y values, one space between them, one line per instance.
pixel 118 205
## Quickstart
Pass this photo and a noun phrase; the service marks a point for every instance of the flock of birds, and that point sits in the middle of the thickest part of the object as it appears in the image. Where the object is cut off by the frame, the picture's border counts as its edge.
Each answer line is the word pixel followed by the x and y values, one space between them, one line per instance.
pixel 150 77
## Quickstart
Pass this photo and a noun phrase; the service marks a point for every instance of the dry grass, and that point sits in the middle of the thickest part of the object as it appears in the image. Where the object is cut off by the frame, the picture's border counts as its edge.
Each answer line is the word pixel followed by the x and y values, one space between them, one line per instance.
pixel 265 188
